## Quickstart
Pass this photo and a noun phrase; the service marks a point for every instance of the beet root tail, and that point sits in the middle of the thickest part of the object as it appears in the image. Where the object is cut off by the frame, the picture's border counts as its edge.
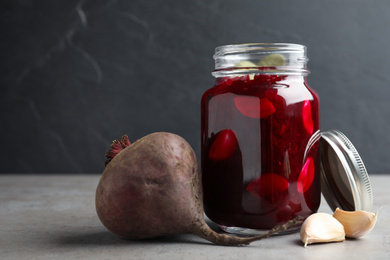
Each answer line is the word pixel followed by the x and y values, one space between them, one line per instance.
pixel 230 240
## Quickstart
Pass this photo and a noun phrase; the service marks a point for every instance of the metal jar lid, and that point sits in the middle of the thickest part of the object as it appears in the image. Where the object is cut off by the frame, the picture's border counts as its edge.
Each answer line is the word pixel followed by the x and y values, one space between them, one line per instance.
pixel 344 179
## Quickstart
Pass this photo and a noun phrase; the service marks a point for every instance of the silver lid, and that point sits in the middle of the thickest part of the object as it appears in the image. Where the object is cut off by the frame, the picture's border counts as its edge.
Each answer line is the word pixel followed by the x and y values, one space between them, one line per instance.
pixel 344 179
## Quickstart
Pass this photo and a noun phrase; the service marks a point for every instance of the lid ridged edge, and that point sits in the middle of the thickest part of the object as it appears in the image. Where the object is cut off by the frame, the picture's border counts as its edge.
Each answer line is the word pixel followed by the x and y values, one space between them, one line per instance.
pixel 360 164
pixel 354 171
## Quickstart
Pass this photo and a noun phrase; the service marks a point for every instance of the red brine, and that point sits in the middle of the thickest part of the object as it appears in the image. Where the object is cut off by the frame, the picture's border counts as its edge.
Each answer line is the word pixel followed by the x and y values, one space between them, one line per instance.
pixel 260 150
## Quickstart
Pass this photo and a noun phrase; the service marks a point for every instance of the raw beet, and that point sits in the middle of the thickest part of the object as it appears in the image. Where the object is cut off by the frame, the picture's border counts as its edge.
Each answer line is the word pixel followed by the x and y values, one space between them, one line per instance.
pixel 153 188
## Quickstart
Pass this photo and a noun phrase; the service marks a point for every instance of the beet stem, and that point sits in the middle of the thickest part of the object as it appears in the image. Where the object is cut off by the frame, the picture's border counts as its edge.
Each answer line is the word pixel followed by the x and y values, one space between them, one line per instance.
pixel 230 240
pixel 115 148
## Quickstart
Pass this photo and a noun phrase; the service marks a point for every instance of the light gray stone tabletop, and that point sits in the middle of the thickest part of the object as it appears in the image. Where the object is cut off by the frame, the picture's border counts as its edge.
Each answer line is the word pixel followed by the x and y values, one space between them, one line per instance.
pixel 53 217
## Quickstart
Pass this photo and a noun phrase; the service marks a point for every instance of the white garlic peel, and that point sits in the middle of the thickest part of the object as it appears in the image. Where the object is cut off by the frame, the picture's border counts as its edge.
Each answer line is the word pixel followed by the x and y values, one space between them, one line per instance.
pixel 356 223
pixel 321 228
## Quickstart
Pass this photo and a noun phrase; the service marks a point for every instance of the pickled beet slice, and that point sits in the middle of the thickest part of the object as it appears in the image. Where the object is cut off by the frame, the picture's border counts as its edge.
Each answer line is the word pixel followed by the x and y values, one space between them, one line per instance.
pixel 306 176
pixel 223 146
pixel 254 107
pixel 268 186
pixel 307 117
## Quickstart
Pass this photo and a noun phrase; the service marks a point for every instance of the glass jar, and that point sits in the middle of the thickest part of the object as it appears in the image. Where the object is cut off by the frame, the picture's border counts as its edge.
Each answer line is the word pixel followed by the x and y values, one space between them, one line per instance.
pixel 260 138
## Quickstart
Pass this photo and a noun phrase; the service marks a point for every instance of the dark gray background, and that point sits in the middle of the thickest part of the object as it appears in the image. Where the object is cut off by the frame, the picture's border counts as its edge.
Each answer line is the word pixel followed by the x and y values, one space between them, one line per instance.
pixel 77 74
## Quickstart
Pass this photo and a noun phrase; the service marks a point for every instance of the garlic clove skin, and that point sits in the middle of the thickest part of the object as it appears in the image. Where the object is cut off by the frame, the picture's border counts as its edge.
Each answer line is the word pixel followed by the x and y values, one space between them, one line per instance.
pixel 356 223
pixel 321 228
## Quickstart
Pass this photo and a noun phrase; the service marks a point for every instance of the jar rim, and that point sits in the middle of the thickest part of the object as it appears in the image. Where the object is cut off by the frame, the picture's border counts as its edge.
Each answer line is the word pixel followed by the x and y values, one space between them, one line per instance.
pixel 259 48
pixel 244 58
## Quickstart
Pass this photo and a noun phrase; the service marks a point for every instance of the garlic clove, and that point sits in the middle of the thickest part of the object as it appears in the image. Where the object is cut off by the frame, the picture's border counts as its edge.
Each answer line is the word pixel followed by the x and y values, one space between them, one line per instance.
pixel 244 64
pixel 272 60
pixel 321 228
pixel 356 223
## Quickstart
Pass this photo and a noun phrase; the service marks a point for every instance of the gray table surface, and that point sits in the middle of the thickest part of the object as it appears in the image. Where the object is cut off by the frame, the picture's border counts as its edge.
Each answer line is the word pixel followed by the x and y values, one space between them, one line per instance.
pixel 53 217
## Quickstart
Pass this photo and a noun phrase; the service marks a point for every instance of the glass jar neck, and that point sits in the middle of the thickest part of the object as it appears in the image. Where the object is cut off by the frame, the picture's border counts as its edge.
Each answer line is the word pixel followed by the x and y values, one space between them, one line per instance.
pixel 260 58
